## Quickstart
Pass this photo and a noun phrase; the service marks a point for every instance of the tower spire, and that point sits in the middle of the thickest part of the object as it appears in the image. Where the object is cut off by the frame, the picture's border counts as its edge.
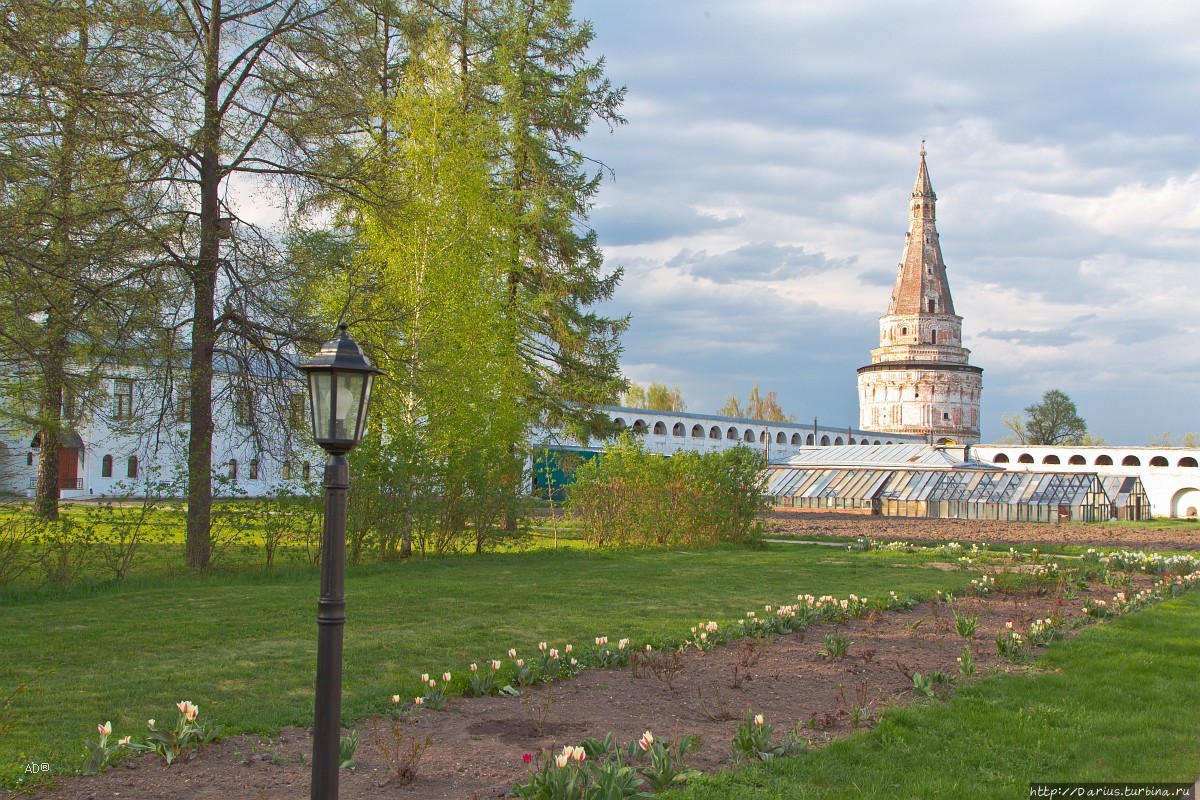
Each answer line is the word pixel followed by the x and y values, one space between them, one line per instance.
pixel 921 286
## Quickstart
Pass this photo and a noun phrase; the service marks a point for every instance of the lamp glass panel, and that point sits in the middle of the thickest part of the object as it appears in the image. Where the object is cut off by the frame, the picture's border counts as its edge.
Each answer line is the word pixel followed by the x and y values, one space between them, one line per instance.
pixel 320 389
pixel 366 404
pixel 349 401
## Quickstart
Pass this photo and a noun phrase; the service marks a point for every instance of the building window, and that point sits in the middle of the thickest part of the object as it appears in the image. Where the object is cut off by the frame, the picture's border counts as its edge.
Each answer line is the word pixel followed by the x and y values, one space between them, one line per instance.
pixel 286 472
pixel 69 405
pixel 933 337
pixel 243 409
pixel 131 468
pixel 122 399
pixel 233 469
pixel 296 411
pixel 254 469
pixel 931 305
pixel 183 405
pixel 307 471
pixel 945 415
pixel 106 467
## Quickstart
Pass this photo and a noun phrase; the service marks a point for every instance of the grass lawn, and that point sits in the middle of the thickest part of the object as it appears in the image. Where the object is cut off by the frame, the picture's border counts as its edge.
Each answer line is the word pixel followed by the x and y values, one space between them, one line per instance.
pixel 243 646
pixel 1119 703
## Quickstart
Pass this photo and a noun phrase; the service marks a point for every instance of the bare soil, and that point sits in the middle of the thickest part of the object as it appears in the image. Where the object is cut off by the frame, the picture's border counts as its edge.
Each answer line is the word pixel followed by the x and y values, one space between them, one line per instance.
pixel 478 743
pixel 807 524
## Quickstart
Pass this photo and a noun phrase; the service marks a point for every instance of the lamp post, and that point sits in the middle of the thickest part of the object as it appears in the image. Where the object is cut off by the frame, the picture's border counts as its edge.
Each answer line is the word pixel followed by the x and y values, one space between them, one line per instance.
pixel 339 393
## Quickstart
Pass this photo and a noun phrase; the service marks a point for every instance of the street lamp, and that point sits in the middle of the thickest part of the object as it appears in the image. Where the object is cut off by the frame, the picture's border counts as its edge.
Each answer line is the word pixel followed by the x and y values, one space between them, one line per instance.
pixel 339 393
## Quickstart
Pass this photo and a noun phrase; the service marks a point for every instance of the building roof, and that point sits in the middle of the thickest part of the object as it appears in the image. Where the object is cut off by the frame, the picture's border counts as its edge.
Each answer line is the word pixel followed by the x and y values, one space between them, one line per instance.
pixel 884 456
pixel 966 485
pixel 922 273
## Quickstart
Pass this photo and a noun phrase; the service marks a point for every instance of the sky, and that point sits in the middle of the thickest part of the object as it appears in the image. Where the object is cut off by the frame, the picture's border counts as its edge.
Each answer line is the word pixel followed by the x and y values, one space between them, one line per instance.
pixel 757 197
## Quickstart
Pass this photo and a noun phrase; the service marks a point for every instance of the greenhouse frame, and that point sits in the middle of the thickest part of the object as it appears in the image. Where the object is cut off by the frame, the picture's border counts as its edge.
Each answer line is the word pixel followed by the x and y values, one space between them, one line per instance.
pixel 959 493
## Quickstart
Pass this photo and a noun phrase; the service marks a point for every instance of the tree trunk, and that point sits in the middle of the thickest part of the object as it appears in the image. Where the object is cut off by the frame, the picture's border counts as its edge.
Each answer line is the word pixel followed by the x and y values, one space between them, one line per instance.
pixel 204 286
pixel 47 493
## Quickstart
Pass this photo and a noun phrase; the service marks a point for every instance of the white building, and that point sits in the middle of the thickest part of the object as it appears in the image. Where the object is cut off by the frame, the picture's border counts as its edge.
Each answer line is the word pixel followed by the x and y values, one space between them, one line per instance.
pixel 132 430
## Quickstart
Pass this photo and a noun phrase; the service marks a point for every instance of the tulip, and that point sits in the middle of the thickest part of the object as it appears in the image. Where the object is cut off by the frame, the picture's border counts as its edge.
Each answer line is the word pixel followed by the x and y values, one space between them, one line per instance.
pixel 577 753
pixel 446 677
pixel 646 740
pixel 520 662
pixel 560 760
pixel 105 729
pixel 527 757
pixel 396 699
pixel 474 667
pixel 758 719
pixel 424 677
pixel 495 665
pixel 542 646
pixel 150 723
pixel 420 701
pixel 124 741
pixel 568 648
pixel 432 683
pixel 512 653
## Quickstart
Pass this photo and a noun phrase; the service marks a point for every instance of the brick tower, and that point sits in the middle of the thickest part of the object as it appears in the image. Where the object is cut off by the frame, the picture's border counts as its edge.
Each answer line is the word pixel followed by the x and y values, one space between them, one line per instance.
pixel 919 381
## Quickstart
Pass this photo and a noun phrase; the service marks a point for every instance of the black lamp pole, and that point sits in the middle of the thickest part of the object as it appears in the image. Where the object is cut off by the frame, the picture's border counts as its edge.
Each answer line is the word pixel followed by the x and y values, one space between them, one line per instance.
pixel 339 385
pixel 331 620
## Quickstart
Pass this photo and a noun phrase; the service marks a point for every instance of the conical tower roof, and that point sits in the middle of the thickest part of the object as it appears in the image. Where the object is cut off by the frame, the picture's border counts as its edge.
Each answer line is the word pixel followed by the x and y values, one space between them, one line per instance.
pixel 921 285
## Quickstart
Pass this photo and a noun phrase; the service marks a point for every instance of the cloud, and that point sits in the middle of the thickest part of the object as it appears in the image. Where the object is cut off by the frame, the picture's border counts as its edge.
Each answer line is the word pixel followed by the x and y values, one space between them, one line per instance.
pixel 761 195
pixel 1056 338
pixel 757 261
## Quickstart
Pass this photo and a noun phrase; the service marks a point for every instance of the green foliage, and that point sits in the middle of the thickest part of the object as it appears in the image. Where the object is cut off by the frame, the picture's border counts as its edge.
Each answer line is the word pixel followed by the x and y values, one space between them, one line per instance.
pixel 1055 420
pixel 630 498
pixel 753 740
pixel 655 397
pixel 101 754
pixel 757 406
pixel 965 624
pixel 836 646
pixel 180 741
pixel 347 747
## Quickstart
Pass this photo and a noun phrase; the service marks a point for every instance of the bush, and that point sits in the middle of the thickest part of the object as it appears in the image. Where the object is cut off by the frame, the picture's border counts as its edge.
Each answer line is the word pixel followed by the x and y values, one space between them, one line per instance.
pixel 630 498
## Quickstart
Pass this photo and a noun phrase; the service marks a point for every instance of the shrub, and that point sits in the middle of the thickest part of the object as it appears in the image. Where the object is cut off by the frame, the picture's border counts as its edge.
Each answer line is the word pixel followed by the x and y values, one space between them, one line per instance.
pixel 630 498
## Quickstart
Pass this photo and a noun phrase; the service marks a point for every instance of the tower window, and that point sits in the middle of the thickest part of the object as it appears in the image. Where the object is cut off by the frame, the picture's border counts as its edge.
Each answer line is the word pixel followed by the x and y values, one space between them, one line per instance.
pixel 945 415
pixel 933 337
pixel 904 331
pixel 932 306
